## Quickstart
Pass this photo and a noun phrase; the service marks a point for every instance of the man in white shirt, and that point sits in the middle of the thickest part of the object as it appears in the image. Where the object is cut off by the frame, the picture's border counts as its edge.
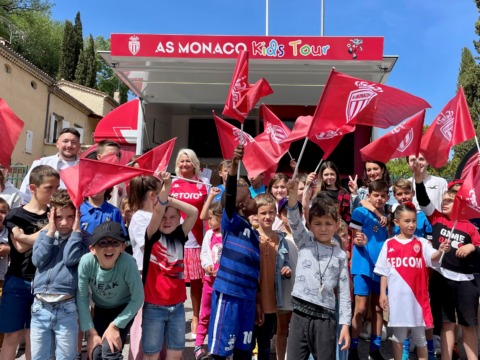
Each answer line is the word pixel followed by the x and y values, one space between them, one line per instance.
pixel 436 186
pixel 68 145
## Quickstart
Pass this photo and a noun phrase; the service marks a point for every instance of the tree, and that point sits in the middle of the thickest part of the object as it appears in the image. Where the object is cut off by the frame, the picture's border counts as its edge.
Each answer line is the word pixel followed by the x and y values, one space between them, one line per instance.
pixel 11 6
pixel 81 71
pixel 67 60
pixel 91 64
pixel 78 29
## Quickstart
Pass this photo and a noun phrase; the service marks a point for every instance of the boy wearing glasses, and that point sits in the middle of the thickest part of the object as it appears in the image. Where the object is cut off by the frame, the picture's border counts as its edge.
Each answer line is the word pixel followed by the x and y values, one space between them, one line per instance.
pixel 117 292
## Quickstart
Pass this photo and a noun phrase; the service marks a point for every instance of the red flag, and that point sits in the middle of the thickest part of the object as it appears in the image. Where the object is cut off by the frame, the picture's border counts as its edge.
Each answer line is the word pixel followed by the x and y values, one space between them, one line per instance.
pixel 300 128
pixel 274 137
pixel 402 141
pixel 328 140
pixel 255 159
pixel 120 124
pixel 157 159
pixel 242 96
pixel 451 127
pixel 89 177
pixel 10 127
pixel 349 100
pixel 465 205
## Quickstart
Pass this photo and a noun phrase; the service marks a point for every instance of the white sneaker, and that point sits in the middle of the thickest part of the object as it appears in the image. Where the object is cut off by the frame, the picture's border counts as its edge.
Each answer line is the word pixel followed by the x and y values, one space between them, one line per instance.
pixel 437 345
pixel 366 331
pixel 193 336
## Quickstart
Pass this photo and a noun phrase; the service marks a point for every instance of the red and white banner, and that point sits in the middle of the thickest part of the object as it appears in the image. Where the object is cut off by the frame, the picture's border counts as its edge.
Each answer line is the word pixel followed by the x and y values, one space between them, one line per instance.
pixel 120 124
pixel 466 204
pixel 260 47
pixel 274 137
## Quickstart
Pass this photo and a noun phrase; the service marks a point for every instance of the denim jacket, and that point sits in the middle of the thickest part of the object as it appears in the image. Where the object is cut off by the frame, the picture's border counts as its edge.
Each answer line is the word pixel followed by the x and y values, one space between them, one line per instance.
pixel 57 262
pixel 282 260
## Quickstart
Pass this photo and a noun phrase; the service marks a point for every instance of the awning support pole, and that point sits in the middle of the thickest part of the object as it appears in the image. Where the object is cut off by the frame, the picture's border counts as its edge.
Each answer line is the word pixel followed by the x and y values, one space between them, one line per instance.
pixel 140 122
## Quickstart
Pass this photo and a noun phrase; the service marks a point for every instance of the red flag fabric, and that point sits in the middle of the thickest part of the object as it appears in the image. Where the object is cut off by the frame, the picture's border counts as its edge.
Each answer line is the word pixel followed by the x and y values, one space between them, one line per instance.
pixel 157 159
pixel 255 159
pixel 451 127
pixel 402 141
pixel 242 97
pixel 120 124
pixel 349 100
pixel 328 140
pixel 274 137
pixel 10 127
pixel 465 205
pixel 89 177
pixel 300 128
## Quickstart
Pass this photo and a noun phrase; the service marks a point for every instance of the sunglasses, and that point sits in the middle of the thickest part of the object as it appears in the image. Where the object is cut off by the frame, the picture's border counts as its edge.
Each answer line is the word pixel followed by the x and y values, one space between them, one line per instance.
pixel 108 243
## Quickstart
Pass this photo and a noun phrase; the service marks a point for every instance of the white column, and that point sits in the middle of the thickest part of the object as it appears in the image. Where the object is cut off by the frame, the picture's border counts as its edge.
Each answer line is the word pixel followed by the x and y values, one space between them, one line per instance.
pixel 140 122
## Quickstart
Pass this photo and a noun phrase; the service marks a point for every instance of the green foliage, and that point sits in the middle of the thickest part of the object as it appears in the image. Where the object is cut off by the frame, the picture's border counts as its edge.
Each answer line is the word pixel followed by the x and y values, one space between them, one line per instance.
pixel 81 71
pixel 67 59
pixel 91 63
pixel 78 29
pixel 17 6
pixel 398 169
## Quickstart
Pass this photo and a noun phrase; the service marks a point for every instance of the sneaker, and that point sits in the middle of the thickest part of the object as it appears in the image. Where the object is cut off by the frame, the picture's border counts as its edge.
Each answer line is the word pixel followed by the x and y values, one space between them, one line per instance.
pixel 376 355
pixel 273 344
pixel 198 352
pixel 353 354
pixel 366 331
pixel 436 345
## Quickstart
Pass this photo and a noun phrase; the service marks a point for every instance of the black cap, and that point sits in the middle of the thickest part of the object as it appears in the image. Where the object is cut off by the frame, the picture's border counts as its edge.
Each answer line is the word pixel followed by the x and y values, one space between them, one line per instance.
pixel 110 229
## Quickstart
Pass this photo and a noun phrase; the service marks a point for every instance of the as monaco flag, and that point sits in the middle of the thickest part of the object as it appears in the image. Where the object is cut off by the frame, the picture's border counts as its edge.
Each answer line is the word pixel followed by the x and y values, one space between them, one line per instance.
pixel 301 127
pixel 465 205
pixel 10 127
pixel 158 158
pixel 242 97
pixel 350 100
pixel 89 177
pixel 329 139
pixel 402 141
pixel 451 127
pixel 255 159
pixel 274 137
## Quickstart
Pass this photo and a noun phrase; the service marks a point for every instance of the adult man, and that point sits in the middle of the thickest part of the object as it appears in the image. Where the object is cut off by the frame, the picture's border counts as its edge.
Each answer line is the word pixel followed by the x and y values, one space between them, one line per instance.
pixel 436 186
pixel 68 145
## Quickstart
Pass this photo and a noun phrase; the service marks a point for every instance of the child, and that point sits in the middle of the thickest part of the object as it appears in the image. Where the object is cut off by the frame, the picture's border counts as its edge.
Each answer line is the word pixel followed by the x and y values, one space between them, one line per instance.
pixel 368 238
pixel 163 276
pixel 8 192
pixel 24 225
pixel 402 266
pixel 96 210
pixel 222 172
pixel 453 291
pixel 126 211
pixel 322 272
pixel 112 277
pixel 236 284
pixel 210 258
pixel 278 188
pixel 274 268
pixel 56 254
pixel 257 186
pixel 4 248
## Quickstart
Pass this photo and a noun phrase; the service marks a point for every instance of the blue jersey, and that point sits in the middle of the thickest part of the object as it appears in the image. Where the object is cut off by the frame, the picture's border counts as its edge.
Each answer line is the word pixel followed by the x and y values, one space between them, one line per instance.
pixel 93 216
pixel 365 257
pixel 240 262
pixel 424 229
pixel 219 196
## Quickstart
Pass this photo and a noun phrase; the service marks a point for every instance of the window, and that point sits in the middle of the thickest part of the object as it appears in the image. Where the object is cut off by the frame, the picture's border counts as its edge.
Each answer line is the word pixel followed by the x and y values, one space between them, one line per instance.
pixel 57 123
pixel 80 130
pixel 33 84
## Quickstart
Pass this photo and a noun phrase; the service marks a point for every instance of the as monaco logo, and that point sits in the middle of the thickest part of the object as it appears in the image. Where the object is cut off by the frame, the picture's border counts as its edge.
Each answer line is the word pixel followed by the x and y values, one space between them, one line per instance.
pixel 359 99
pixel 446 121
pixel 416 248
pixel 407 141
pixel 472 200
pixel 277 133
pixel 237 91
pixel 327 135
pixel 242 137
pixel 134 45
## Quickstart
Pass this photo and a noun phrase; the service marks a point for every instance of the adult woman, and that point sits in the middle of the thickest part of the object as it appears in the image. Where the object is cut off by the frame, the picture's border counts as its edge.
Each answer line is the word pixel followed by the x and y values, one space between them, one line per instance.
pixel 187 167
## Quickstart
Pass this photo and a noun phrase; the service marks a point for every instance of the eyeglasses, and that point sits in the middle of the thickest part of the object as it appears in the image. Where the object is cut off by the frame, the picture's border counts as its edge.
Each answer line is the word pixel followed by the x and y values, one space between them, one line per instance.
pixel 108 243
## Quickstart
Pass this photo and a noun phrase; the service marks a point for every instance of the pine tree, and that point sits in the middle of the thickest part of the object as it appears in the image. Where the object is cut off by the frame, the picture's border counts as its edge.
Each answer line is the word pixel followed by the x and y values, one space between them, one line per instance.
pixel 67 59
pixel 91 64
pixel 78 37
pixel 81 72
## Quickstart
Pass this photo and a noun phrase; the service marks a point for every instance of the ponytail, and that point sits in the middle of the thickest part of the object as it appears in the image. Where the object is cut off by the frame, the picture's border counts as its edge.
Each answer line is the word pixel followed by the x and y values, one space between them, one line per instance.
pixel 138 189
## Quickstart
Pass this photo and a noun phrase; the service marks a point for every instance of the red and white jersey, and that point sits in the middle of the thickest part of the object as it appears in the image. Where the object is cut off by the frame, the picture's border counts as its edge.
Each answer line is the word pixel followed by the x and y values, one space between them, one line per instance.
pixel 404 262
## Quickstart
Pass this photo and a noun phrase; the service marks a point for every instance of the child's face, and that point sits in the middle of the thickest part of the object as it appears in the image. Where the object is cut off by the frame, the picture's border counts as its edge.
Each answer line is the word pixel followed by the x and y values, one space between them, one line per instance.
pixel 99 196
pixel 107 251
pixel 447 204
pixel 301 188
pixel 224 173
pixel 323 228
pixel 279 190
pixel 344 237
pixel 329 177
pixel 266 216
pixel 378 199
pixel 64 219
pixel 421 162
pixel 252 219
pixel 245 202
pixel 170 220
pixel 213 221
pixel 373 171
pixel 403 195
pixel 3 214
pixel 44 191
pixel 127 213
pixel 256 181
pixel 407 222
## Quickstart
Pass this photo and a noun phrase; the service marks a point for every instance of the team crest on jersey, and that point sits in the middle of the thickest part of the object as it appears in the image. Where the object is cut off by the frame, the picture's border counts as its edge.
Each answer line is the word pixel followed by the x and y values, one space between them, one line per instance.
pixel 242 137
pixel 277 133
pixel 446 120
pixel 472 200
pixel 407 141
pixel 134 44
pixel 416 248
pixel 327 135
pixel 360 98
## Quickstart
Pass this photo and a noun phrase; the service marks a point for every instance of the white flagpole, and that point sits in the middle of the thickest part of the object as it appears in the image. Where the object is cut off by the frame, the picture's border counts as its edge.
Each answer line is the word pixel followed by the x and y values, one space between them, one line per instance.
pixel 476 142
pixel 291 157
pixel 300 157
pixel 318 166
pixel 322 18
pixel 192 181
pixel 240 163
pixel 449 236
pixel 266 17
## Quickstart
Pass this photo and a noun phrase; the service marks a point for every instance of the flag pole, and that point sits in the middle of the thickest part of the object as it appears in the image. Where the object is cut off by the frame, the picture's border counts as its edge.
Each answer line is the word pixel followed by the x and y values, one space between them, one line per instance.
pixel 449 236
pixel 190 180
pixel 240 162
pixel 300 157
pixel 291 157
pixel 318 166
pixel 266 17
pixel 476 142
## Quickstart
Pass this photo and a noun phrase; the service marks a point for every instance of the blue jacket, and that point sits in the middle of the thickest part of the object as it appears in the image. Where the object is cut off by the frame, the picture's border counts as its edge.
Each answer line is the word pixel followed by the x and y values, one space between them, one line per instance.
pixel 282 260
pixel 57 262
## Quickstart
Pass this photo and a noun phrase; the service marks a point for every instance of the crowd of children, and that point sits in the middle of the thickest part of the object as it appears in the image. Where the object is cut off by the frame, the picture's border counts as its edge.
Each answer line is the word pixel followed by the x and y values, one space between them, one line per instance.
pixel 303 258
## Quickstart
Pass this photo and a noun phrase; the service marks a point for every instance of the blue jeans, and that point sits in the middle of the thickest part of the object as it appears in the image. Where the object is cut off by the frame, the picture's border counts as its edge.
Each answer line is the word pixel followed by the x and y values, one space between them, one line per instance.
pixel 161 322
pixel 54 326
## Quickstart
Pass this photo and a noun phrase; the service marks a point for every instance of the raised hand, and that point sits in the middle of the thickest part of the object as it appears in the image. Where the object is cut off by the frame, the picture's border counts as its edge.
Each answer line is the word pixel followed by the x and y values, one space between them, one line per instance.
pixel 353 185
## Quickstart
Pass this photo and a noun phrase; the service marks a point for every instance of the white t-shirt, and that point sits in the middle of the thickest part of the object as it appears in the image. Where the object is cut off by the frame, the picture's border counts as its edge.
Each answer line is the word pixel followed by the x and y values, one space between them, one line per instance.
pixel 3 259
pixel 436 187
pixel 12 195
pixel 136 230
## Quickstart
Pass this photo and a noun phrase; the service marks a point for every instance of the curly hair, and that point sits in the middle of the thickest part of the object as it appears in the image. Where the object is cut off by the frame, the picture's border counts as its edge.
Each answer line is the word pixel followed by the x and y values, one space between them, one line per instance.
pixel 61 200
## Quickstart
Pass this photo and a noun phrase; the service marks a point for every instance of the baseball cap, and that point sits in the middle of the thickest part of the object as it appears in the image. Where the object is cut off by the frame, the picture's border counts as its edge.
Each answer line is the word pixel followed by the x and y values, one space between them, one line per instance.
pixel 284 202
pixel 454 182
pixel 110 229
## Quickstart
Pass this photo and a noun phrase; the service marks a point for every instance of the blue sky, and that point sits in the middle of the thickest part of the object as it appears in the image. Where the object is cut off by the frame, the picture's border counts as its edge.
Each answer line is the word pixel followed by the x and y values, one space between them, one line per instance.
pixel 427 35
